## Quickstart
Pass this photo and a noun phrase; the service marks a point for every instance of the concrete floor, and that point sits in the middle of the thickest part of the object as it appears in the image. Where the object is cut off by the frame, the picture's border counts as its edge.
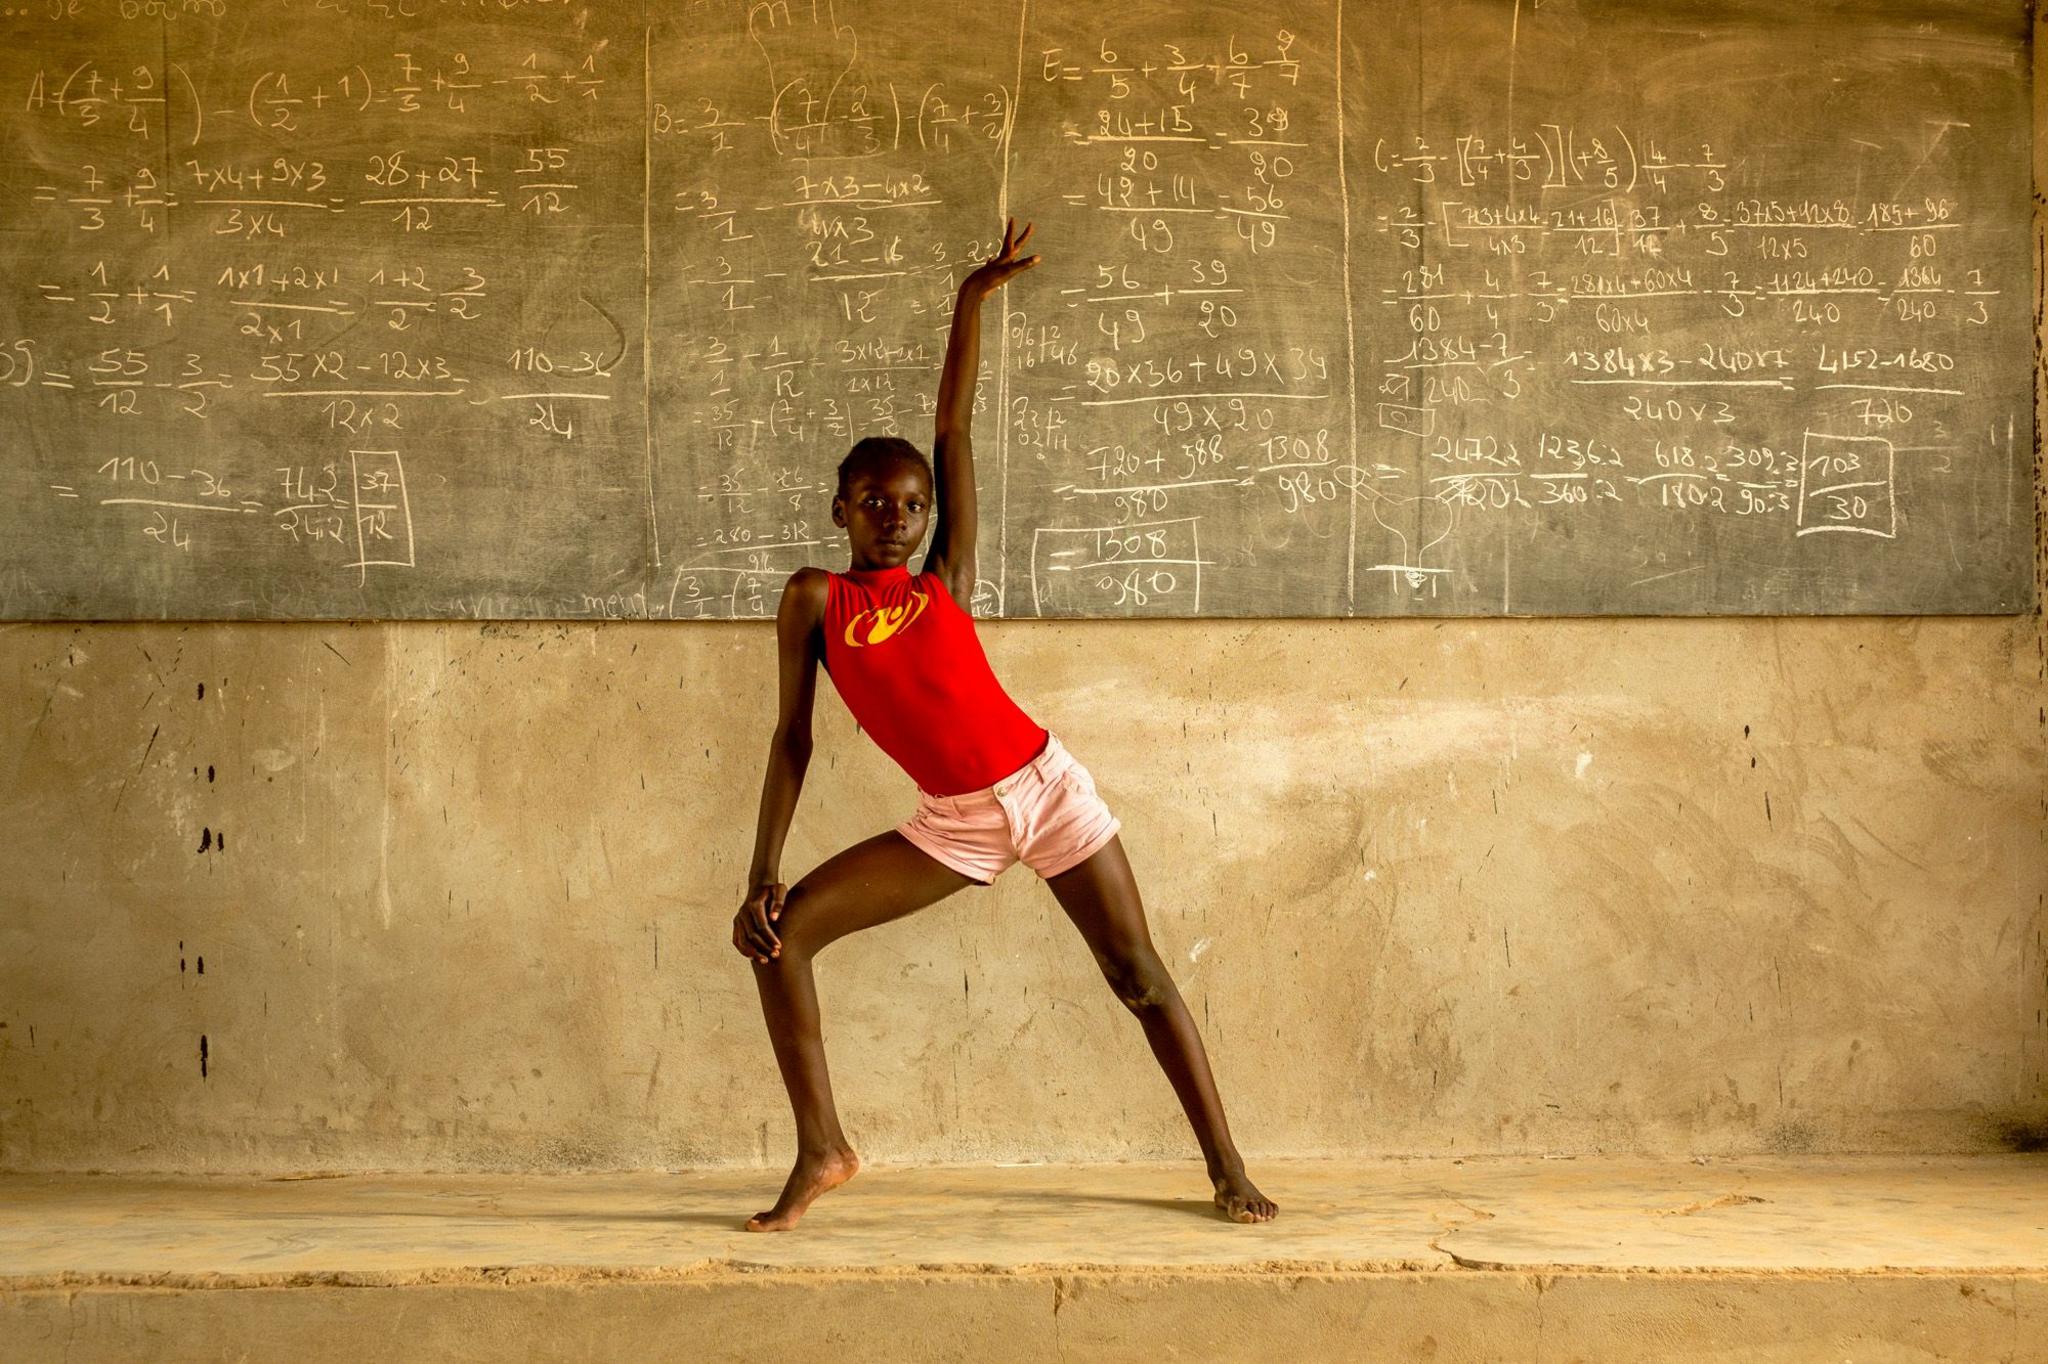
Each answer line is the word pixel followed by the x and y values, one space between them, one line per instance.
pixel 1863 1258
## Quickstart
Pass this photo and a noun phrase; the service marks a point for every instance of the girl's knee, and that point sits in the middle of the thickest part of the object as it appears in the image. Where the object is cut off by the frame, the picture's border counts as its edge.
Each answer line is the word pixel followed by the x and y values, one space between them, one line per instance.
pixel 796 927
pixel 1139 978
pixel 1145 997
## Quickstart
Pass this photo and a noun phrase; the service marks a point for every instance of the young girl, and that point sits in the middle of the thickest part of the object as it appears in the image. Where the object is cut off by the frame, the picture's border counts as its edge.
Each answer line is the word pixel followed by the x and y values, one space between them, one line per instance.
pixel 995 787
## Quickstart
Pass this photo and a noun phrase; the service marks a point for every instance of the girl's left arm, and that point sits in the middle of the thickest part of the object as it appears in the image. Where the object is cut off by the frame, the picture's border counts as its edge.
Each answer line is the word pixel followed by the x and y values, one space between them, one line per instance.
pixel 951 556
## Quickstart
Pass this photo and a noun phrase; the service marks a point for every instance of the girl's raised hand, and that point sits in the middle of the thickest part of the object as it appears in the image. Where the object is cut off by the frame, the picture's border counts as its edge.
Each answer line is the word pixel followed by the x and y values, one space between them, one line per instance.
pixel 995 272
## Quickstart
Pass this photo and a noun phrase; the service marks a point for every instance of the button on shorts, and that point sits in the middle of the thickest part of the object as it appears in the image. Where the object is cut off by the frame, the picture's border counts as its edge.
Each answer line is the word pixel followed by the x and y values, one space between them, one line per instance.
pixel 1046 814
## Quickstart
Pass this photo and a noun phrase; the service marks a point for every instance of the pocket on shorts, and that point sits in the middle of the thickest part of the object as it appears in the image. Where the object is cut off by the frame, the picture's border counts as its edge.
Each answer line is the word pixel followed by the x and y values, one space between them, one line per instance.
pixel 943 820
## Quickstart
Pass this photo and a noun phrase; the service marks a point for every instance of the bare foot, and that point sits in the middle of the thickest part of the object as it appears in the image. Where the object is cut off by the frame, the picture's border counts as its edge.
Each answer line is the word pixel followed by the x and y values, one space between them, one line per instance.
pixel 1240 1201
pixel 811 1176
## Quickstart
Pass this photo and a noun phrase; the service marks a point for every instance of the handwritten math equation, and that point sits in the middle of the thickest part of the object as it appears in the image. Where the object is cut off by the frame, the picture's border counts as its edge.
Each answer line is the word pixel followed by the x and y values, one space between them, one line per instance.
pixel 508 307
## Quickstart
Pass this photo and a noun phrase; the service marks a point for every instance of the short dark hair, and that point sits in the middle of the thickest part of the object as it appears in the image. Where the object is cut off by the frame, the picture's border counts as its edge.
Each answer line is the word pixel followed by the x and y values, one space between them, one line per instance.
pixel 879 452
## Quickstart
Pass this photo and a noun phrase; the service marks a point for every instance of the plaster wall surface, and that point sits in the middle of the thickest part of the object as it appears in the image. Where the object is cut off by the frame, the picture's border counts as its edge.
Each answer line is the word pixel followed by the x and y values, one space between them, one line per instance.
pixel 463 895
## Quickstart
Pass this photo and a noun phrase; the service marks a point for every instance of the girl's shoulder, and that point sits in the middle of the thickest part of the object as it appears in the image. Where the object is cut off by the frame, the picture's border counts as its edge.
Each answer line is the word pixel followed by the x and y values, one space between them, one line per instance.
pixel 807 590
pixel 809 578
pixel 937 583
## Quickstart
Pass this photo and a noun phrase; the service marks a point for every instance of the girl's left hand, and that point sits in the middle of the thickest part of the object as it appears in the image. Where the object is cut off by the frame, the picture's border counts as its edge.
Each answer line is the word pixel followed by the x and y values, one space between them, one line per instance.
pixel 995 272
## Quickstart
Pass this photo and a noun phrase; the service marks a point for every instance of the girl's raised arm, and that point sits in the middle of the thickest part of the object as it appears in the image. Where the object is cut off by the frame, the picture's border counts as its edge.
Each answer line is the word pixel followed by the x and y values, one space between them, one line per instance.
pixel 952 546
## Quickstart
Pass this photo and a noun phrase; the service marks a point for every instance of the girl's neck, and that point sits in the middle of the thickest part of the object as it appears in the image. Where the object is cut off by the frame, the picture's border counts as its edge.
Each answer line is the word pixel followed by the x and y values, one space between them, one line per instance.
pixel 886 573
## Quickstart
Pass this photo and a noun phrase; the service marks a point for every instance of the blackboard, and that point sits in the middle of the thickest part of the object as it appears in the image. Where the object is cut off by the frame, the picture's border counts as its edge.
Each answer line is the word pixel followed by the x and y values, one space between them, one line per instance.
pixel 444 308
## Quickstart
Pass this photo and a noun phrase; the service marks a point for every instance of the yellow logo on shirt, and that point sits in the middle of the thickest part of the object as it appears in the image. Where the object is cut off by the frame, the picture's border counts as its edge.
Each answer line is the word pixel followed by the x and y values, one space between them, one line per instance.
pixel 878 623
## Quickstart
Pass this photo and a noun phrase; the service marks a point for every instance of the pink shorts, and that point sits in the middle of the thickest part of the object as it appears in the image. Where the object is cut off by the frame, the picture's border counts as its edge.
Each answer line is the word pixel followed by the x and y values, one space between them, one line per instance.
pixel 1046 814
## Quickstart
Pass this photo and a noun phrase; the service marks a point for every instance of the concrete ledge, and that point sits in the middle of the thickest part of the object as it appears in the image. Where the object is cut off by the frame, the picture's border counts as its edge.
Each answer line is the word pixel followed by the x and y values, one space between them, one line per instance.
pixel 1766 1259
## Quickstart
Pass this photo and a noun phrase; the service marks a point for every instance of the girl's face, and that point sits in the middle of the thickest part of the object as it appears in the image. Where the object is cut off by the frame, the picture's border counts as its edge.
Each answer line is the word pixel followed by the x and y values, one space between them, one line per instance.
pixel 885 512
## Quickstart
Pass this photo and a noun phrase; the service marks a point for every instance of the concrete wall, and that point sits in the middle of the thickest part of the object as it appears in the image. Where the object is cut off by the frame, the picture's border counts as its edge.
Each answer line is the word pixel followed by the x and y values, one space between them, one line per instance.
pixel 462 894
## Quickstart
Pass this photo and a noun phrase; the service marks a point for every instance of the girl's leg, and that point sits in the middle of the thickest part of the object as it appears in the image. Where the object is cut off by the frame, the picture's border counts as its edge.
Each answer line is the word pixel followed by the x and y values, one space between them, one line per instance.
pixel 1101 896
pixel 872 882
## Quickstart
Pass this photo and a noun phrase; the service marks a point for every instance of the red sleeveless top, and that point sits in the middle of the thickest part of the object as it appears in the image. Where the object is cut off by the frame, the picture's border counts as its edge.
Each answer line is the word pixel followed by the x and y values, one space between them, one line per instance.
pixel 908 664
